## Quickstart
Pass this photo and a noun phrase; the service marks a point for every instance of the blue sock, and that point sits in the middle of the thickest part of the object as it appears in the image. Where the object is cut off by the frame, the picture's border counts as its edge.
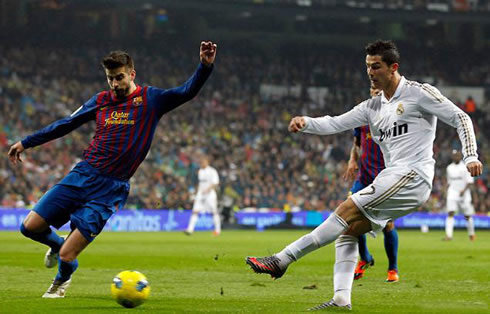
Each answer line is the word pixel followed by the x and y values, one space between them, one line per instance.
pixel 65 269
pixel 363 249
pixel 391 247
pixel 47 237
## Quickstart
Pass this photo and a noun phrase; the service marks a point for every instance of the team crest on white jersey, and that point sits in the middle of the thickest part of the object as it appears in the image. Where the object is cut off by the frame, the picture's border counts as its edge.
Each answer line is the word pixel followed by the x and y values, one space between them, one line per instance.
pixel 400 110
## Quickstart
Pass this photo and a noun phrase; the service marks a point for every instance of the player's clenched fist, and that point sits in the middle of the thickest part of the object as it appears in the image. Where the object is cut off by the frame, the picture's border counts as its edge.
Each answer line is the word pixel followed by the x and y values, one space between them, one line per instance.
pixel 475 168
pixel 296 124
pixel 207 52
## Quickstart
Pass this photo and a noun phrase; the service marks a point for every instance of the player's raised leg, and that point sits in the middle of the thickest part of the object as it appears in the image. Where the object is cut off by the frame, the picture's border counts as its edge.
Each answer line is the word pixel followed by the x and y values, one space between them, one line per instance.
pixel 37 229
pixel 335 225
pixel 73 246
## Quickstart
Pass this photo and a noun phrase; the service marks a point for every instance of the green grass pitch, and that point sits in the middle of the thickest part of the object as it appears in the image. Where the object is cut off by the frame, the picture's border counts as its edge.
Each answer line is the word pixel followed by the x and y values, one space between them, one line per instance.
pixel 202 273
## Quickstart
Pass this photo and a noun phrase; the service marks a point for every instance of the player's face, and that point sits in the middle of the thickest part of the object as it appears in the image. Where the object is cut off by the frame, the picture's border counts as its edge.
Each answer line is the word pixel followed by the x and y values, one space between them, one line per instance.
pixel 379 73
pixel 120 80
pixel 204 163
pixel 457 157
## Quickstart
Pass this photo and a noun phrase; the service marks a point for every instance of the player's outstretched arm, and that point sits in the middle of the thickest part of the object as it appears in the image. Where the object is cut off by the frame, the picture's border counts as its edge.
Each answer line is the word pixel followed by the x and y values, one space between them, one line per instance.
pixel 326 125
pixel 443 108
pixel 169 99
pixel 15 151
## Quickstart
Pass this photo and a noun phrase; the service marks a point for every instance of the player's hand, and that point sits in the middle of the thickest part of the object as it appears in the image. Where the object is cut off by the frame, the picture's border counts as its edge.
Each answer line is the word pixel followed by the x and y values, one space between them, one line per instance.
pixel 297 124
pixel 350 173
pixel 15 151
pixel 475 168
pixel 208 52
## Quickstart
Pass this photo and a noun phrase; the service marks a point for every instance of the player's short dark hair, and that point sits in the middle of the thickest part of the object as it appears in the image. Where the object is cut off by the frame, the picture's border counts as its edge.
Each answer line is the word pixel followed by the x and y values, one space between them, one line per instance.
pixel 384 48
pixel 117 59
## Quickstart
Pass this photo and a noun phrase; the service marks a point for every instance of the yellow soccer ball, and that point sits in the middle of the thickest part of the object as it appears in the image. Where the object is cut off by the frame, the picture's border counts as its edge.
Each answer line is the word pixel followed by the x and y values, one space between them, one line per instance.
pixel 130 288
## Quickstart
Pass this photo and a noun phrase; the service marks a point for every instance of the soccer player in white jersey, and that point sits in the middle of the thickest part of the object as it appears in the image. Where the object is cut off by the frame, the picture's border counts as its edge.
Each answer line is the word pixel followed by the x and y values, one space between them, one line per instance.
pixel 459 196
pixel 402 120
pixel 206 199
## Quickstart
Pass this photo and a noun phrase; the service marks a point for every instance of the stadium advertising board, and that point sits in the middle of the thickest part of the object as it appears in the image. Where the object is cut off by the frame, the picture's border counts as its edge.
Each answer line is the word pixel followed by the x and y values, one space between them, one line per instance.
pixel 176 220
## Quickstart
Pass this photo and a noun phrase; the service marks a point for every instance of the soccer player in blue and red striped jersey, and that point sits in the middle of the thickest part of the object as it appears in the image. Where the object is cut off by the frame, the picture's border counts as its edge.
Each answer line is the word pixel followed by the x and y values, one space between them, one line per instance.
pixel 365 168
pixel 126 117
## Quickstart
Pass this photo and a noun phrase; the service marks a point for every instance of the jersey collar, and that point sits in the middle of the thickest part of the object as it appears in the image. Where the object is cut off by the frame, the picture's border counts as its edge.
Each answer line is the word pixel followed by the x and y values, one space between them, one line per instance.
pixel 397 91
pixel 132 95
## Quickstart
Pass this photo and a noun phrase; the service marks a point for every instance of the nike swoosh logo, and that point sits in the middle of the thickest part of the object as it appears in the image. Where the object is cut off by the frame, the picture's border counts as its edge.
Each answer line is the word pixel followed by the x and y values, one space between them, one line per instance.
pixel 373 190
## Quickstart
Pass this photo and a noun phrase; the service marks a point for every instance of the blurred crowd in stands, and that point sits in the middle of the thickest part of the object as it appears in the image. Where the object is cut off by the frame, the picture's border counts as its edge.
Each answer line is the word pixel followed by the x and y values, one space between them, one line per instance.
pixel 438 5
pixel 261 165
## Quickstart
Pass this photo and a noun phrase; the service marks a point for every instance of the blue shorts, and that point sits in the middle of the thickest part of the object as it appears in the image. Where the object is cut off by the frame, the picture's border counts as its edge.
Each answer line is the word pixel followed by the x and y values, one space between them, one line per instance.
pixel 84 197
pixel 357 186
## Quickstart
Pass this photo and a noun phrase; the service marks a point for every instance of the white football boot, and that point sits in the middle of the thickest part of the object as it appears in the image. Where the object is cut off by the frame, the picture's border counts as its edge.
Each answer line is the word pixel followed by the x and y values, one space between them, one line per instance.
pixel 51 258
pixel 57 289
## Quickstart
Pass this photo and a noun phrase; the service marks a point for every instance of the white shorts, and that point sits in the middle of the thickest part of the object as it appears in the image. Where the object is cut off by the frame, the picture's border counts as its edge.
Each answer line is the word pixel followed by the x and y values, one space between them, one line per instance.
pixel 462 205
pixel 394 193
pixel 207 203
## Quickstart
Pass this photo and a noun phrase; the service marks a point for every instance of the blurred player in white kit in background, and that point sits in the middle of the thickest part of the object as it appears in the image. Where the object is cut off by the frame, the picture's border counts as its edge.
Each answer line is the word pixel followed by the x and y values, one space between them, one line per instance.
pixel 459 182
pixel 206 198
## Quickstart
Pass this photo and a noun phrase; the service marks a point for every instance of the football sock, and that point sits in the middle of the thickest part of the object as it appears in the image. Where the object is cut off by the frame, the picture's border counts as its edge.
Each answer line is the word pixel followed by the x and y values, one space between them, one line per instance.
pixel 48 237
pixel 346 249
pixel 65 269
pixel 470 225
pixel 192 223
pixel 391 248
pixel 322 235
pixel 449 226
pixel 363 249
pixel 217 223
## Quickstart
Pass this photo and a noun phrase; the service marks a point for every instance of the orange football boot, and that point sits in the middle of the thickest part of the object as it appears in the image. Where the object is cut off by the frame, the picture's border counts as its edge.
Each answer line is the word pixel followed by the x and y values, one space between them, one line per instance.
pixel 361 268
pixel 392 276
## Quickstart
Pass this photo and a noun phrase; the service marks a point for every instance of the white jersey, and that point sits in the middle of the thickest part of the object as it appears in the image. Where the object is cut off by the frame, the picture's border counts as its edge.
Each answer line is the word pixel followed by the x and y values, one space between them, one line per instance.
pixel 405 126
pixel 207 177
pixel 457 178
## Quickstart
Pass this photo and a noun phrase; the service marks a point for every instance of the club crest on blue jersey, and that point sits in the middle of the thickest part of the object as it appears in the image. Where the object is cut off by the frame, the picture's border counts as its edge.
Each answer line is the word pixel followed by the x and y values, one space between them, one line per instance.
pixel 138 100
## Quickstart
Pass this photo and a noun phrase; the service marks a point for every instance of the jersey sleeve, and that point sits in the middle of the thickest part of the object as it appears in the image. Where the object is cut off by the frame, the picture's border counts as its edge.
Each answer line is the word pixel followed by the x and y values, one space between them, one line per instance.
pixel 169 99
pixel 354 118
pixel 63 126
pixel 433 102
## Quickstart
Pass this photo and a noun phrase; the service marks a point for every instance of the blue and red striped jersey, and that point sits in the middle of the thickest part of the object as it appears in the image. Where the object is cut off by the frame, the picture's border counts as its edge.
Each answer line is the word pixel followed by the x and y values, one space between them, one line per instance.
pixel 124 127
pixel 371 162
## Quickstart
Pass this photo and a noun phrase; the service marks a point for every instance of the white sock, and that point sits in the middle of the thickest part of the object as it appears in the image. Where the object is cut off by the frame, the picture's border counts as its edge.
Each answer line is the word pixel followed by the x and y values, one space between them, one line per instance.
pixel 192 223
pixel 217 223
pixel 449 226
pixel 346 251
pixel 322 235
pixel 470 225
